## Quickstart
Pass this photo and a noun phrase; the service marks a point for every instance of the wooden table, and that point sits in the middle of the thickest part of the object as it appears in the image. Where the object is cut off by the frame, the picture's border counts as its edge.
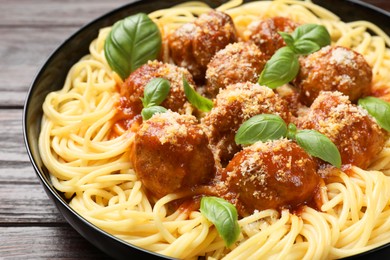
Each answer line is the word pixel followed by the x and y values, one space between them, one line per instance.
pixel 30 225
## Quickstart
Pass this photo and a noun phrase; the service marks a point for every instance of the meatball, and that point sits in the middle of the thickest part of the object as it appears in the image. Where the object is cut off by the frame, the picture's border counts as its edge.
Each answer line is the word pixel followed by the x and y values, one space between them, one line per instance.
pixel 171 153
pixel 234 105
pixel 237 62
pixel 330 69
pixel 265 34
pixel 271 175
pixel 358 138
pixel 290 94
pixel 133 87
pixel 194 44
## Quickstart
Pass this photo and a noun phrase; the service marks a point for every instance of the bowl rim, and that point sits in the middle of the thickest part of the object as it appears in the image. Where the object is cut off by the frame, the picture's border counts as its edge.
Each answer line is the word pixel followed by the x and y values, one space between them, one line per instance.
pixel 46 183
pixel 370 6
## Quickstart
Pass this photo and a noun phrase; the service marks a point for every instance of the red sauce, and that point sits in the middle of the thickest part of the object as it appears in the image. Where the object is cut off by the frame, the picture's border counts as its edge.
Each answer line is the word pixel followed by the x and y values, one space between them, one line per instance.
pixel 347 169
pixel 191 204
pixel 124 119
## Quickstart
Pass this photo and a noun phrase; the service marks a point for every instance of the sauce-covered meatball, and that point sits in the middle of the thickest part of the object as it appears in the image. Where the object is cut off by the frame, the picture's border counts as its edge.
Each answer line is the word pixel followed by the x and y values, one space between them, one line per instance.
pixel 272 175
pixel 331 69
pixel 133 87
pixel 234 105
pixel 194 44
pixel 358 138
pixel 171 153
pixel 237 62
pixel 265 34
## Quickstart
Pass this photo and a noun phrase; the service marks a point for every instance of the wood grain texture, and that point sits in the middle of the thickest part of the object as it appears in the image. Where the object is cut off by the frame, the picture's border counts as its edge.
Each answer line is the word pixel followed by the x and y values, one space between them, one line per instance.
pixel 31 30
pixel 46 13
pixel 22 199
pixel 11 136
pixel 30 225
pixel 45 242
pixel 26 204
pixel 23 51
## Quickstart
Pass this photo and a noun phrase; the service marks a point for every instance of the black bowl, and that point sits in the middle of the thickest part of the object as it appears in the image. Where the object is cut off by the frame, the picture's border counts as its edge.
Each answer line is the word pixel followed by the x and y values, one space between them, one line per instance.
pixel 52 75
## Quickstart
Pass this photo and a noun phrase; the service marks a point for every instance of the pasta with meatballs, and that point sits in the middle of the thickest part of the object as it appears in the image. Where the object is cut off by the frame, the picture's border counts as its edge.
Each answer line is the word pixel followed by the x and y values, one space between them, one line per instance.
pixel 142 180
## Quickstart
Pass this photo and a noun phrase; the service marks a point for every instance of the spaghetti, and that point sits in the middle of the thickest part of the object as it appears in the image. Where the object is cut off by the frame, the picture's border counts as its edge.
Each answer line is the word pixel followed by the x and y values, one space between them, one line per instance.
pixel 95 173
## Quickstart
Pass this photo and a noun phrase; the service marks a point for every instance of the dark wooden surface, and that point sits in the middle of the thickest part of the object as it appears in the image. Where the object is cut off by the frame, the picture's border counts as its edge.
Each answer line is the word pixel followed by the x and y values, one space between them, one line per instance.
pixel 30 225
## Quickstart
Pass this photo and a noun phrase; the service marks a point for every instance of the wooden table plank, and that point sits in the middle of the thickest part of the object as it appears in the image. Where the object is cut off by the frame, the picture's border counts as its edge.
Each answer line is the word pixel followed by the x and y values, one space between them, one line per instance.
pixel 31 30
pixel 22 199
pixel 12 172
pixel 45 242
pixel 11 136
pixel 48 13
pixel 23 51
pixel 28 204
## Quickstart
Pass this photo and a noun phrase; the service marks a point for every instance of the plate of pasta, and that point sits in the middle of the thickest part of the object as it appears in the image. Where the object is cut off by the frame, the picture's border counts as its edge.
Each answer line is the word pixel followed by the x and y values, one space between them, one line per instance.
pixel 220 130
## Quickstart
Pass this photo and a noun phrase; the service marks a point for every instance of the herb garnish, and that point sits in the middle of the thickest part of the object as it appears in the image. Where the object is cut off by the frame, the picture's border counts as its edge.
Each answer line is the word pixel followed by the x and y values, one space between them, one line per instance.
pixel 270 127
pixel 198 101
pixel 148 112
pixel 155 92
pixel 318 145
pixel 261 128
pixel 284 64
pixel 379 109
pixel 280 69
pixel 224 217
pixel 307 38
pixel 131 43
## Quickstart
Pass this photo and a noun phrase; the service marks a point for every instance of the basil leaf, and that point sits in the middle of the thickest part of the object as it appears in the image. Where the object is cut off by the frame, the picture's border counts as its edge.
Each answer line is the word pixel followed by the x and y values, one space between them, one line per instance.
pixel 131 43
pixel 318 145
pixel 198 101
pixel 261 128
pixel 224 217
pixel 155 92
pixel 148 112
pixel 288 39
pixel 379 109
pixel 314 33
pixel 284 65
pixel 305 47
pixel 280 69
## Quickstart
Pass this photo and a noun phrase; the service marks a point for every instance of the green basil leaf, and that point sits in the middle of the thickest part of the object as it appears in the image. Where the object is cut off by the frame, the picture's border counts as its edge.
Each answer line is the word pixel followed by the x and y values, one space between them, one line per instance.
pixel 198 101
pixel 315 33
pixel 318 145
pixel 288 39
pixel 280 69
pixel 224 217
pixel 155 92
pixel 379 109
pixel 261 128
pixel 131 43
pixel 305 47
pixel 148 112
